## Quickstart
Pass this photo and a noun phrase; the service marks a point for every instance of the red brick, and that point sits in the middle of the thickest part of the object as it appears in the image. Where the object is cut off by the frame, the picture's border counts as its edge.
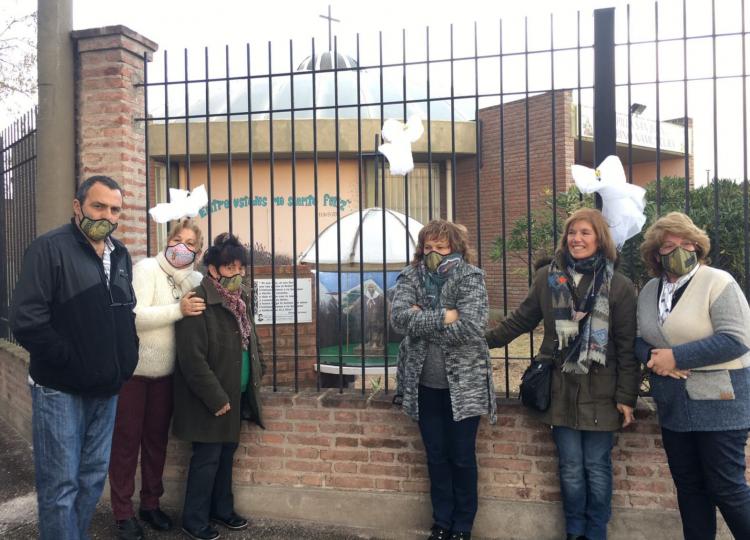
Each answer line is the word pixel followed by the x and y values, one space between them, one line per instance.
pixel 345 467
pixel 344 455
pixel 346 442
pixel 506 464
pixel 352 482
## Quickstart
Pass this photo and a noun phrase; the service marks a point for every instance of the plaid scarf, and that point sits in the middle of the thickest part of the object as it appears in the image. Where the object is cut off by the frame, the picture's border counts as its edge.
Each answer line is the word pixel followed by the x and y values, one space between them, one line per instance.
pixel 233 302
pixel 433 281
pixel 582 326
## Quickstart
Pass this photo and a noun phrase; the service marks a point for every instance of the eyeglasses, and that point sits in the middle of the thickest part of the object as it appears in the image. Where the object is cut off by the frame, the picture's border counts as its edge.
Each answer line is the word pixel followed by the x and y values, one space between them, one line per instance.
pixel 175 291
pixel 669 247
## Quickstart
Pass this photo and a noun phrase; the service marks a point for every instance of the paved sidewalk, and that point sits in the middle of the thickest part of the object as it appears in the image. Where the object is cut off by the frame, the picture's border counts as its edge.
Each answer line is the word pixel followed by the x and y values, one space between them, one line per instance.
pixel 18 506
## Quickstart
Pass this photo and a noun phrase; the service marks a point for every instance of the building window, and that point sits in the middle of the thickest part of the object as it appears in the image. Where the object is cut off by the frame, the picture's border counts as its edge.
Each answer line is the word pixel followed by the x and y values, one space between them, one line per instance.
pixel 418 182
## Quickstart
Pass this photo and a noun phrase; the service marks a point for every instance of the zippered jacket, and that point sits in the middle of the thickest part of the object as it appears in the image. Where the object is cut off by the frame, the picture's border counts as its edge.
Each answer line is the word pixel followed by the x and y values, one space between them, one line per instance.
pixel 78 328
pixel 584 402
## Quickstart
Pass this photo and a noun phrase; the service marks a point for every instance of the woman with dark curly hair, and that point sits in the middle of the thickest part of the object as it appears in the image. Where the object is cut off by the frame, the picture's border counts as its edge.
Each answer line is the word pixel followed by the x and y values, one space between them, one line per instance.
pixel 217 384
pixel 695 337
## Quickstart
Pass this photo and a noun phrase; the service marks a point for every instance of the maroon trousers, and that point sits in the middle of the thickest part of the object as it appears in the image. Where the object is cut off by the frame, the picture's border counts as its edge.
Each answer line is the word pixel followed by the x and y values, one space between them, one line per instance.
pixel 144 410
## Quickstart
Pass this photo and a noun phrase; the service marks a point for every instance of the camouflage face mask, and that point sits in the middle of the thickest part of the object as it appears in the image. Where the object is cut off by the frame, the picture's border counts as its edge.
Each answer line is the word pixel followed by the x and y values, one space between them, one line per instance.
pixel 432 260
pixel 96 229
pixel 679 261
pixel 232 283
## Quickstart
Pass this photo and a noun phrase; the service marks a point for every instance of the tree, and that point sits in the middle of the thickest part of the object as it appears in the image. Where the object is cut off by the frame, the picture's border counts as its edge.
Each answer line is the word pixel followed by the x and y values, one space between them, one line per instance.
pixel 727 236
pixel 18 81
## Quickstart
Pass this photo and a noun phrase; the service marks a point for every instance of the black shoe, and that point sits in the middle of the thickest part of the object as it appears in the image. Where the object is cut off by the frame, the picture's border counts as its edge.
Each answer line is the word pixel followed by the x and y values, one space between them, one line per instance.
pixel 129 529
pixel 233 522
pixel 575 537
pixel 206 533
pixel 438 533
pixel 460 536
pixel 156 518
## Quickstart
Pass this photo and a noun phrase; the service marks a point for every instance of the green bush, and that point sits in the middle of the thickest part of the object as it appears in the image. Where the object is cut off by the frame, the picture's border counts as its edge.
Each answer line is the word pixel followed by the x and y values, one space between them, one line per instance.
pixel 728 253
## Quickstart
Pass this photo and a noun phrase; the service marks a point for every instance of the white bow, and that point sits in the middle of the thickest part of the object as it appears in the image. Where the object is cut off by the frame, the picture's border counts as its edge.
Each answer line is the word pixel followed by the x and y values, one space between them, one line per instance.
pixel 183 203
pixel 622 203
pixel 398 137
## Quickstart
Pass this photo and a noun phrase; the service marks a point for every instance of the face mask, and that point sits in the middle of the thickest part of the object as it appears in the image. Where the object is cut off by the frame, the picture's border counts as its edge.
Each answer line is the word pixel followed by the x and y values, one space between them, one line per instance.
pixel 232 283
pixel 179 255
pixel 96 229
pixel 679 261
pixel 432 260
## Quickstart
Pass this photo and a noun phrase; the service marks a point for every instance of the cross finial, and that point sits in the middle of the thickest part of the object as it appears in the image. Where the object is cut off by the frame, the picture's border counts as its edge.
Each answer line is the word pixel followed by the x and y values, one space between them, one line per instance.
pixel 330 20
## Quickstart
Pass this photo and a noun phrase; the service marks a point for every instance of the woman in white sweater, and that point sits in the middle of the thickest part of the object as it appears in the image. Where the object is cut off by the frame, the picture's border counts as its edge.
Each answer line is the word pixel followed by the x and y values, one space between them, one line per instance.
pixel 162 287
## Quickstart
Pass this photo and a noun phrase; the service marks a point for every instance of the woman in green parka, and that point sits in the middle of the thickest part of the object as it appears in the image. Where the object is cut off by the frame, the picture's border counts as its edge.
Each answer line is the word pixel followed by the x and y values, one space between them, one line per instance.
pixel 588 311
pixel 216 385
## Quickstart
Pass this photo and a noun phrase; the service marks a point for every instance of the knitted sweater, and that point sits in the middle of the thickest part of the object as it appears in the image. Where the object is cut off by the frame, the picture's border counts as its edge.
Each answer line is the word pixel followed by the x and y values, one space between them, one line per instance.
pixel 709 333
pixel 156 312
pixel 467 359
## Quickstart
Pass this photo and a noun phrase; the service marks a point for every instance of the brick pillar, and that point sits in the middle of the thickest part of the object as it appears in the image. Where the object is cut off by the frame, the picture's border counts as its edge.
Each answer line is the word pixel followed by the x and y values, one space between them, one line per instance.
pixel 109 67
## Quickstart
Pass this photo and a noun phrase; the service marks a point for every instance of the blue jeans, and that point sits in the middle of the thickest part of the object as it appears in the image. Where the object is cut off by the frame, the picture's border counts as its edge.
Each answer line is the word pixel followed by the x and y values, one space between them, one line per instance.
pixel 451 460
pixel 585 480
pixel 72 438
pixel 708 469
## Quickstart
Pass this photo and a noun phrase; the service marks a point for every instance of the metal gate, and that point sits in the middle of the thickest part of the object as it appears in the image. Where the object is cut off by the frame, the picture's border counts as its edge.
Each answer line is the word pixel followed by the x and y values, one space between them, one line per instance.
pixel 286 143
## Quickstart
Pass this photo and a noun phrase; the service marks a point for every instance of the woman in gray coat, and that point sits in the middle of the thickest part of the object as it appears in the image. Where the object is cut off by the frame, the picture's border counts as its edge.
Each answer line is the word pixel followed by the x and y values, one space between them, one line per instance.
pixel 444 373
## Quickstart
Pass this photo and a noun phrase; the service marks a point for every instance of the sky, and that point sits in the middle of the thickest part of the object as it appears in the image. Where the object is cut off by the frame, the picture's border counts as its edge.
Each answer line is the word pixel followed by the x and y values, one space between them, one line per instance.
pixel 195 24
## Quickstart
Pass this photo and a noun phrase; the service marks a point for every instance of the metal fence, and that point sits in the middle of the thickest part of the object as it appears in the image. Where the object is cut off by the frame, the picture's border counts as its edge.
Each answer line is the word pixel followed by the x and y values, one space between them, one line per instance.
pixel 286 143
pixel 17 204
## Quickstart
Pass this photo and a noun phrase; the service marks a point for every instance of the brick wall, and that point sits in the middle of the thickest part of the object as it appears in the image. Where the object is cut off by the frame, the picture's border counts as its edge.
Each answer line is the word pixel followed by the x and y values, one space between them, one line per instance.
pixel 348 445
pixel 15 398
pixel 110 66
pixel 285 338
pixel 514 155
pixel 349 441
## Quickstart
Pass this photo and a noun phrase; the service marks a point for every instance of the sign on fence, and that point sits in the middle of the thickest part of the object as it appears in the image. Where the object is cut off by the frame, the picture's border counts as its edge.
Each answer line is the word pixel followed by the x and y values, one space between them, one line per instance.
pixel 284 301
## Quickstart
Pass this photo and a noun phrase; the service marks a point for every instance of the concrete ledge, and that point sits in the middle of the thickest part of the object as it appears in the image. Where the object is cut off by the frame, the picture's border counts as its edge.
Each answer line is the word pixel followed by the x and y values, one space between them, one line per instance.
pixel 406 516
pixel 114 30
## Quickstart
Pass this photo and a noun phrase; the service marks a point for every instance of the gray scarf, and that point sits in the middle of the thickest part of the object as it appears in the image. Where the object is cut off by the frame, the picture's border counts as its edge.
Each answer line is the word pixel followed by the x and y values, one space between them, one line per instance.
pixel 582 329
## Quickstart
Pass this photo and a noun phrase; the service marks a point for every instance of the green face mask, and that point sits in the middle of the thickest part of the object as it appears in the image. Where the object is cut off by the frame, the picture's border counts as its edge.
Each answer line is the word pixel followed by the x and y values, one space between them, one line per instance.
pixel 96 229
pixel 679 261
pixel 432 260
pixel 232 283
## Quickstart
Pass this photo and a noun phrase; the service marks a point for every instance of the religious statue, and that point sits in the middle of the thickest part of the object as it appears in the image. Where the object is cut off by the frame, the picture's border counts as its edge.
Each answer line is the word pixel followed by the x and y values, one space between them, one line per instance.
pixel 374 317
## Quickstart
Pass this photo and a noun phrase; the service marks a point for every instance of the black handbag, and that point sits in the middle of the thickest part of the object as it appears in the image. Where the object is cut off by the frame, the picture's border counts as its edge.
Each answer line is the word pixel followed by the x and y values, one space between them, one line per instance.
pixel 535 385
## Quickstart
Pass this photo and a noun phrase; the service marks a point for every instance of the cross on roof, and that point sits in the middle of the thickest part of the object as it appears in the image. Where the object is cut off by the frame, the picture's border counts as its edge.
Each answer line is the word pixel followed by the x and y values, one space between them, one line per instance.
pixel 330 20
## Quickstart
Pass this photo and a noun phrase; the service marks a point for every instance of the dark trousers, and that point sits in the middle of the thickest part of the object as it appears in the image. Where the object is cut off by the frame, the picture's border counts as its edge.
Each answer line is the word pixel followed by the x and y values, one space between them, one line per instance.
pixel 144 409
pixel 209 484
pixel 451 460
pixel 708 469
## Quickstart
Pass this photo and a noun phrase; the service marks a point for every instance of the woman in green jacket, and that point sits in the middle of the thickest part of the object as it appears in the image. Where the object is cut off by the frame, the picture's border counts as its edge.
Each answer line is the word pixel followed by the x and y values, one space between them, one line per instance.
pixel 588 311
pixel 217 383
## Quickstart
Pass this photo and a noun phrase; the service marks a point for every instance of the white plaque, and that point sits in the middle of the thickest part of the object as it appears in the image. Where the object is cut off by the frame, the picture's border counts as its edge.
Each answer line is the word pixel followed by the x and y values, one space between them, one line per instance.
pixel 284 301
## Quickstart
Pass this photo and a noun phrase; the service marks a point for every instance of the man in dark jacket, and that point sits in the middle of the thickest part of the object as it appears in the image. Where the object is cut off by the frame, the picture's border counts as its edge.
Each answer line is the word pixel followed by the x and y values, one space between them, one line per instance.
pixel 73 311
